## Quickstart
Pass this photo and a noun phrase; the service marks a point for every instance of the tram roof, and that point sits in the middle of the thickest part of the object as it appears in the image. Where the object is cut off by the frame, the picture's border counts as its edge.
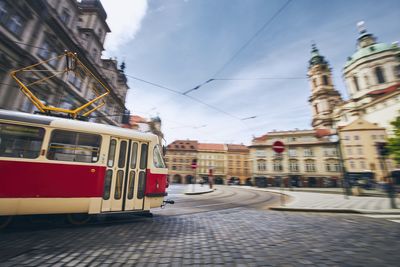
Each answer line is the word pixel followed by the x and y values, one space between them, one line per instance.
pixel 74 125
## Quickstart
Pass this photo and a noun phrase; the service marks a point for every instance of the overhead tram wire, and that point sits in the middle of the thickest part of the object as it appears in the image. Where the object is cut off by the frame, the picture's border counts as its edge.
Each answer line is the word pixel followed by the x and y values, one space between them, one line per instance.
pixel 164 87
pixel 254 36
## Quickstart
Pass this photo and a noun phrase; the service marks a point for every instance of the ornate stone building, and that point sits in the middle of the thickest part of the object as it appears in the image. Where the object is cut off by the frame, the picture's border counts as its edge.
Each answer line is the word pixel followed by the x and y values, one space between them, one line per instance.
pixel 224 162
pixel 324 97
pixel 33 31
pixel 372 78
pixel 307 160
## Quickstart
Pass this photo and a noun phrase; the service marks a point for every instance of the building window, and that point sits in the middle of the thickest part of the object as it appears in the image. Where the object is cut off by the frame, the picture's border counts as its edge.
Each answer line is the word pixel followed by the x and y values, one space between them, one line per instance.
pixel 356 137
pixel 76 77
pixel 293 166
pixel 325 80
pixel 46 52
pixel 261 165
pixel 14 24
pixel 292 152
pixel 332 166
pixel 308 152
pixel 330 152
pixel 3 11
pixel 349 151
pixel 362 165
pixel 65 16
pixel 352 165
pixel 278 166
pixel 310 166
pixel 355 80
pixel 316 108
pixel 360 151
pixel 379 75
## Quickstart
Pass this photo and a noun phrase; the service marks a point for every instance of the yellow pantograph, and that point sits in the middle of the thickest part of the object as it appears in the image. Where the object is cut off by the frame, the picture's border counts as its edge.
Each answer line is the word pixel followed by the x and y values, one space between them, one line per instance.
pixel 43 74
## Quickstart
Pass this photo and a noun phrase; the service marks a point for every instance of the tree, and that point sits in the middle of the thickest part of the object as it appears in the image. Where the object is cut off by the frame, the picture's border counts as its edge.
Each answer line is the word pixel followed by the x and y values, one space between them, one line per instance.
pixel 394 142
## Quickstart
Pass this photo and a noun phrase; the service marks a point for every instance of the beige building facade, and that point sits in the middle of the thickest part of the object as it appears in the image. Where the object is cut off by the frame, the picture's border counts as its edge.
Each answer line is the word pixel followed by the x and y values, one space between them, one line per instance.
pixel 212 160
pixel 307 161
pixel 360 154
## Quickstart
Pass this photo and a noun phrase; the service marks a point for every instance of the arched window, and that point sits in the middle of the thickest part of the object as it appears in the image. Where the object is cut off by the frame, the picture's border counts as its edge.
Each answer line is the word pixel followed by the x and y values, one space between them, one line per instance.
pixel 325 79
pixel 314 82
pixel 379 75
pixel 355 80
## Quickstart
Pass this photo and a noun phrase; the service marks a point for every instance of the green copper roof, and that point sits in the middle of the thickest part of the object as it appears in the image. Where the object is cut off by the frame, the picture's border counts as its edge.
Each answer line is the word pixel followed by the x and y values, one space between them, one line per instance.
pixel 369 50
pixel 316 58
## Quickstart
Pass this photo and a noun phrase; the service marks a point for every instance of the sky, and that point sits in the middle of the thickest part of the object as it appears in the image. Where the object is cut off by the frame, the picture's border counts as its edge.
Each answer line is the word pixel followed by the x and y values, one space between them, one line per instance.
pixel 180 44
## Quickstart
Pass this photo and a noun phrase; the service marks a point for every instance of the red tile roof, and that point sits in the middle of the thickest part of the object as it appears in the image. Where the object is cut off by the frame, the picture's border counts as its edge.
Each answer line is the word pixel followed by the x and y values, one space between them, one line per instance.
pixel 183 145
pixel 239 148
pixel 215 147
pixel 322 132
pixel 385 91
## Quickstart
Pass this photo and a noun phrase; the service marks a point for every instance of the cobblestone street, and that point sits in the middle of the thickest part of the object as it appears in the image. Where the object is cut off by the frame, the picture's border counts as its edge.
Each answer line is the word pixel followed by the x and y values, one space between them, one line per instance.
pixel 233 237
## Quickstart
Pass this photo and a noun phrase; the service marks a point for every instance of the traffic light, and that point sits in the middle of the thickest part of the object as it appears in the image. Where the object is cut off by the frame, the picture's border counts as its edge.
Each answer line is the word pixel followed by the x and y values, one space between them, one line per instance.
pixel 382 148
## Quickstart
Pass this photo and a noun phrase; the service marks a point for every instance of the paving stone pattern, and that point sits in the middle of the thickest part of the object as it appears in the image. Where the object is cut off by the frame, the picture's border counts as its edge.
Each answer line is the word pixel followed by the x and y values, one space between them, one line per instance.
pixel 234 237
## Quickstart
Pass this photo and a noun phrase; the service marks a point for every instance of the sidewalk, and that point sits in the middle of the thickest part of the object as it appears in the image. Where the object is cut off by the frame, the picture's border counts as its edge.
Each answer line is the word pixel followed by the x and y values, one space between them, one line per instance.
pixel 324 202
pixel 335 190
pixel 196 189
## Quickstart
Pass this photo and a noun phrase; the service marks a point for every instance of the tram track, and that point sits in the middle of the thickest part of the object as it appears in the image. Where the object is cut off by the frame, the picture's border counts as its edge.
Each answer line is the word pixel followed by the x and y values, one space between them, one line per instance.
pixel 227 199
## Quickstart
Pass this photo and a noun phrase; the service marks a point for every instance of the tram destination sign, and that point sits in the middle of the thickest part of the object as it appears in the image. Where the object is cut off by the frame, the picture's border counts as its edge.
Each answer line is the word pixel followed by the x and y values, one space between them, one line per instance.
pixel 278 146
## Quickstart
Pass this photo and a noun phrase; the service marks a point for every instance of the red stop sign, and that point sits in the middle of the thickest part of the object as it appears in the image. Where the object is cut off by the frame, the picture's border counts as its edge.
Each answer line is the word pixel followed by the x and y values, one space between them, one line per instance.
pixel 278 146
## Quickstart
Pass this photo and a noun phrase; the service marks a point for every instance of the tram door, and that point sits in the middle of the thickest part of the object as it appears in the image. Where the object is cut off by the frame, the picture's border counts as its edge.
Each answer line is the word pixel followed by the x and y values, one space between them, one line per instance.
pixel 124 182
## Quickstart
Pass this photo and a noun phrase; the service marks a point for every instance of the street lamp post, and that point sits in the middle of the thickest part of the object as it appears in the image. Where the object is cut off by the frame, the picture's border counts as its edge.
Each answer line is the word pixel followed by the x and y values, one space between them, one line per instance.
pixel 346 182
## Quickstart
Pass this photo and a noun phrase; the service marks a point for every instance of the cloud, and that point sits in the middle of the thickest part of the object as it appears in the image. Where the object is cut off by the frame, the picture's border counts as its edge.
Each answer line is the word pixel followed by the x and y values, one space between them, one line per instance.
pixel 124 19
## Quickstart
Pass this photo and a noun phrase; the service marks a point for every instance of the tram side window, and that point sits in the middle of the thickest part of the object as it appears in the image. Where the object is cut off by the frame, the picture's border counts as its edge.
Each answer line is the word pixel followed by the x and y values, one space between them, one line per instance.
pixel 157 158
pixel 73 146
pixel 19 141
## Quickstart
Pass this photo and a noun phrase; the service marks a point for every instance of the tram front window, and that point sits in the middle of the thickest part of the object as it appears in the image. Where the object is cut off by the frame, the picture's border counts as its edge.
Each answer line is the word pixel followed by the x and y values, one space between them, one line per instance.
pixel 18 141
pixel 157 158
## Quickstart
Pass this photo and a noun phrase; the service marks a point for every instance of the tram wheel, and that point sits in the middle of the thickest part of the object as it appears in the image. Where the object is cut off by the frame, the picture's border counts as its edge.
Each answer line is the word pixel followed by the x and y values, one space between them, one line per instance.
pixel 78 218
pixel 5 221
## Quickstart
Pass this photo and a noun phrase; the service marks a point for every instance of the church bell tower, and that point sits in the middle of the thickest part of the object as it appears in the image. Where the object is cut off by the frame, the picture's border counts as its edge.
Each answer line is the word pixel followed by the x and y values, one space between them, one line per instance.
pixel 324 96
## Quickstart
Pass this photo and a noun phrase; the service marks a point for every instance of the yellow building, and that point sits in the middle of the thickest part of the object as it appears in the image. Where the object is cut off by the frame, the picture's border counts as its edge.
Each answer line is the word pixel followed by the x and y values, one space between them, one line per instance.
pixel 307 161
pixel 238 169
pixel 212 158
pixel 358 143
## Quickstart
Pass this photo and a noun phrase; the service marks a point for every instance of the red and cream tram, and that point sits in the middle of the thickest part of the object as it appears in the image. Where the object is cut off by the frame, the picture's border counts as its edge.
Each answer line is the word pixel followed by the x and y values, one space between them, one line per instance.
pixel 51 165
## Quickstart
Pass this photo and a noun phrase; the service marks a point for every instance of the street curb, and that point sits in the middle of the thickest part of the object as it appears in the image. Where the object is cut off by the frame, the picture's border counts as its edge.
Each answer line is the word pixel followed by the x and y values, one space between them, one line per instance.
pixel 199 193
pixel 332 210
pixel 317 210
